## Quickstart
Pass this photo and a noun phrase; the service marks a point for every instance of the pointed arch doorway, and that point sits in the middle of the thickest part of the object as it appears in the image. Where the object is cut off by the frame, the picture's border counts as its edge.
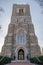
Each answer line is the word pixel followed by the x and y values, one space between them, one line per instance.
pixel 21 54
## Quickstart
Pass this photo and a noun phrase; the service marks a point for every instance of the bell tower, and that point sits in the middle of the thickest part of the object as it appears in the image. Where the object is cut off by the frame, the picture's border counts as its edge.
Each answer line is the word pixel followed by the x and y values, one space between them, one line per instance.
pixel 21 43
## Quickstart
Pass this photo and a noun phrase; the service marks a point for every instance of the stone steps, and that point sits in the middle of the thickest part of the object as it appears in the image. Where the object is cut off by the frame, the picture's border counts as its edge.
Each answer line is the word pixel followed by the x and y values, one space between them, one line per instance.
pixel 20 63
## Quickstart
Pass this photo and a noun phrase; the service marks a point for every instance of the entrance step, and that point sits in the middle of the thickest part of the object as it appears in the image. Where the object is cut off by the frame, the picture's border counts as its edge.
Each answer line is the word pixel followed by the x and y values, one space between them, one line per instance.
pixel 20 63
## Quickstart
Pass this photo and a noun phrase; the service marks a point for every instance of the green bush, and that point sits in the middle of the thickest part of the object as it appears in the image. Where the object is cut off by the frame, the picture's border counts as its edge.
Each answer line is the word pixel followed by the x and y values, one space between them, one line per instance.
pixel 0 57
pixel 5 60
pixel 35 60
pixel 41 58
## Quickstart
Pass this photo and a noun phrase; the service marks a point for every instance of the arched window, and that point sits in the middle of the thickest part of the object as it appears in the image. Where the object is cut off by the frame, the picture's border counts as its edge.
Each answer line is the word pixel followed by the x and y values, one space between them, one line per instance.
pixel 21 38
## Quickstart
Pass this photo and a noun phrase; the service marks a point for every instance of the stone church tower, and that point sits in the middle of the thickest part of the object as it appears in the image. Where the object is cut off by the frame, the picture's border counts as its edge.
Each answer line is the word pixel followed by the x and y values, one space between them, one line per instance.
pixel 21 42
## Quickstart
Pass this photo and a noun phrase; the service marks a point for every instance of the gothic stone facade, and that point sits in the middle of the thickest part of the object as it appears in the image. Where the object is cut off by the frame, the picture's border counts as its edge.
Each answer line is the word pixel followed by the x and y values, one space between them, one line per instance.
pixel 21 42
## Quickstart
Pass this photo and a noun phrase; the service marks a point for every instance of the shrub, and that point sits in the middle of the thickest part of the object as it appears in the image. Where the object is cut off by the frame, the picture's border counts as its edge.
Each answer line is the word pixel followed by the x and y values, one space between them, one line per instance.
pixel 35 60
pixel 5 60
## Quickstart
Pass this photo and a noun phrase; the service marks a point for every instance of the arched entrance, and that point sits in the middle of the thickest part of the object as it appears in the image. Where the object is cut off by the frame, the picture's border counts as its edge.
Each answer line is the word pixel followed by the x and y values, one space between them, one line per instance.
pixel 21 54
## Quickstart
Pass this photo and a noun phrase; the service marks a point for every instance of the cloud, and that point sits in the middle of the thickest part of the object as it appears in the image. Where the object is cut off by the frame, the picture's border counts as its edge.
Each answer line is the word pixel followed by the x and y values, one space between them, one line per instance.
pixel 0 26
pixel 1 9
pixel 40 2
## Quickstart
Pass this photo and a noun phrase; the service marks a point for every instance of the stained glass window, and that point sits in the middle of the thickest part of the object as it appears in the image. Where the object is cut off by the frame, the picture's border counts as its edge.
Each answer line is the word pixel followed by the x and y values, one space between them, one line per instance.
pixel 21 38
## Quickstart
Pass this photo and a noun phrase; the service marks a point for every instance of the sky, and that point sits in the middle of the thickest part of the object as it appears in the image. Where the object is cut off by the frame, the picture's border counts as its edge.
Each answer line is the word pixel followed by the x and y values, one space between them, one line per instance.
pixel 36 16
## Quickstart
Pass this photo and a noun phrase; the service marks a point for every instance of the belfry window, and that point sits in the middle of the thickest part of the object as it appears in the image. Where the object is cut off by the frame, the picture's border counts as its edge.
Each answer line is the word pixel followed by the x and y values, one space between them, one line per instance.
pixel 21 12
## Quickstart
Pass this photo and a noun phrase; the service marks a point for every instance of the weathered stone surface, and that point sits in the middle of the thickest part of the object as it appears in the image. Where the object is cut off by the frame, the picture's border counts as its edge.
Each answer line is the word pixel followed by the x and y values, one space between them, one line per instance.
pixel 21 23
